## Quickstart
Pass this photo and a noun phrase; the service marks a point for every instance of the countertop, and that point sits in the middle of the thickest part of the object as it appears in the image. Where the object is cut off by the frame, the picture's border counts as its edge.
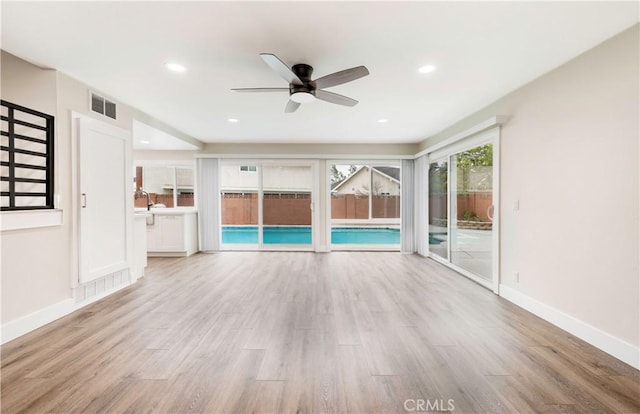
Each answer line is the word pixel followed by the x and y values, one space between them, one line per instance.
pixel 165 211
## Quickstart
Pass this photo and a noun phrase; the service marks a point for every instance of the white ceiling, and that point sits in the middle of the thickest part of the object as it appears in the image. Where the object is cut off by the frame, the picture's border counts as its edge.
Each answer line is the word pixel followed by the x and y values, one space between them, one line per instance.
pixel 146 137
pixel 482 51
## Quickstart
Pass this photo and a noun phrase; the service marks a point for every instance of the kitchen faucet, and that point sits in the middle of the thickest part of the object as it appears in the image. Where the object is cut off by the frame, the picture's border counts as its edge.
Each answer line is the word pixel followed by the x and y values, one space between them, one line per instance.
pixel 149 203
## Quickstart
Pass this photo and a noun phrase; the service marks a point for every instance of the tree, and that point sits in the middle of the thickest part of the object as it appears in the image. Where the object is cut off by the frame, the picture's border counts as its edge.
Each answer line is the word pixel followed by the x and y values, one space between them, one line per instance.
pixel 336 176
pixel 475 157
pixel 481 156
pixel 438 172
pixel 465 162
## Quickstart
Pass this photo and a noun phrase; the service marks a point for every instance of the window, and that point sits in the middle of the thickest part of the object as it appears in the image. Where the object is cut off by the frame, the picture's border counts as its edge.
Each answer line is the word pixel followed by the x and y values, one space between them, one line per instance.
pixel 26 158
pixel 365 205
pixel 250 168
pixel 167 185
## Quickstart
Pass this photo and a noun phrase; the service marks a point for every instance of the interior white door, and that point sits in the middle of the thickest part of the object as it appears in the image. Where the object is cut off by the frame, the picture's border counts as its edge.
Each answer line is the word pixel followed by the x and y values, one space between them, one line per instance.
pixel 105 186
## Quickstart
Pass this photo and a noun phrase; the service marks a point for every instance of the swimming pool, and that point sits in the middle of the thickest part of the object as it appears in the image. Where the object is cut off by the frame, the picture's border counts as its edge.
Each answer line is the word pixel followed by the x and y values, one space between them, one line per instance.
pixel 302 235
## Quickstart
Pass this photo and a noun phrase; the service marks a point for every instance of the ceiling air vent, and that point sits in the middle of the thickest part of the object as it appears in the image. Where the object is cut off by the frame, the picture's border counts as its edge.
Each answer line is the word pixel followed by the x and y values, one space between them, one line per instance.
pixel 103 106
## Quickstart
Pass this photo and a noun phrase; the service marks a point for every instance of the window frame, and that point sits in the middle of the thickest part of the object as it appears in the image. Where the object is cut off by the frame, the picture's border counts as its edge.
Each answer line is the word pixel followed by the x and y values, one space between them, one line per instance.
pixel 49 154
pixel 329 221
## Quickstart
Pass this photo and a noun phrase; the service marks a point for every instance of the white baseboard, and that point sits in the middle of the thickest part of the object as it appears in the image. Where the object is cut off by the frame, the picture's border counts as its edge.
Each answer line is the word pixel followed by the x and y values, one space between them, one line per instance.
pixel 608 343
pixel 25 324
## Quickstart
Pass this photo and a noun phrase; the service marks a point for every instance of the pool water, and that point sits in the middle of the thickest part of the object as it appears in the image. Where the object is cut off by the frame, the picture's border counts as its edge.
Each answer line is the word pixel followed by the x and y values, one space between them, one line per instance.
pixel 272 235
pixel 302 235
pixel 437 238
pixel 366 235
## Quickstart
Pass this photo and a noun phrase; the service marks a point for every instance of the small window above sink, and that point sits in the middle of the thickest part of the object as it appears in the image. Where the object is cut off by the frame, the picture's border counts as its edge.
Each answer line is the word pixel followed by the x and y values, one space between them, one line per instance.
pixel 169 183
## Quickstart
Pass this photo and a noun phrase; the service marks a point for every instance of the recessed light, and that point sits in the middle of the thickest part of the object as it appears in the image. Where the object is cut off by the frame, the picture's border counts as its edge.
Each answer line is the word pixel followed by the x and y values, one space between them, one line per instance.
pixel 383 121
pixel 144 141
pixel 232 120
pixel 427 69
pixel 175 67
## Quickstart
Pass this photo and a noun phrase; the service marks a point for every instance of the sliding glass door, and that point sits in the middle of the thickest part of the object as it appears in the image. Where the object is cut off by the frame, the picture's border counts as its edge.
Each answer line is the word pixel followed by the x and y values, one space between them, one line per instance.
pixel 286 204
pixel 471 241
pixel 239 189
pixel 462 198
pixel 439 209
pixel 266 205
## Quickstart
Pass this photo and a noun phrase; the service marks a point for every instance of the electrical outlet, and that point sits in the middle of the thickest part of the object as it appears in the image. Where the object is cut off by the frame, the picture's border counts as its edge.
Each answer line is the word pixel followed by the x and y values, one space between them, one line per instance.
pixel 516 277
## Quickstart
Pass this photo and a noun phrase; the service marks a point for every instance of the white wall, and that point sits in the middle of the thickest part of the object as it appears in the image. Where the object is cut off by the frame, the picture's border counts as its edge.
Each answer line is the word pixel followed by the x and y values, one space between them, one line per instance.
pixel 570 156
pixel 34 266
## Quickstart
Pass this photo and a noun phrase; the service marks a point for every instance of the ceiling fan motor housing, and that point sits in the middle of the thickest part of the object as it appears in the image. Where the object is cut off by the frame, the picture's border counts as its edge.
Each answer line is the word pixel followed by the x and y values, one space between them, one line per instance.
pixel 303 72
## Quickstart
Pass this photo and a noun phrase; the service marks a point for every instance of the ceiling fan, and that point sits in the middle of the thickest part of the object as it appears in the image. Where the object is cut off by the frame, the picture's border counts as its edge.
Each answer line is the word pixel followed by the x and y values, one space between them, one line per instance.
pixel 302 89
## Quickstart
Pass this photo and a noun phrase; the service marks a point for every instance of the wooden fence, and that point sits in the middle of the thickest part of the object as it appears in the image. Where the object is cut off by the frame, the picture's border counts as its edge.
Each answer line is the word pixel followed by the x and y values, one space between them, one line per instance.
pixel 351 206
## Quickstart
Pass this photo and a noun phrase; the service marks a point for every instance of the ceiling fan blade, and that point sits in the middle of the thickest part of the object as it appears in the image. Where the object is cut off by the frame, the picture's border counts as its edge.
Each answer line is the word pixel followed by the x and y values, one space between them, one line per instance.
pixel 281 68
pixel 335 98
pixel 261 89
pixel 341 77
pixel 291 106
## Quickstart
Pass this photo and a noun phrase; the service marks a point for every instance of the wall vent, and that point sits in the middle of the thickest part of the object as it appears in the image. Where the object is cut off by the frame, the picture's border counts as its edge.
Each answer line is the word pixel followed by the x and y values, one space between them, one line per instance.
pixel 102 105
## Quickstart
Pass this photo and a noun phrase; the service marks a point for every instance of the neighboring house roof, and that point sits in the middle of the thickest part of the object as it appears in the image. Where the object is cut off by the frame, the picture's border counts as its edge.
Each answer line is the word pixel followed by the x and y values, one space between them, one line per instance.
pixel 391 172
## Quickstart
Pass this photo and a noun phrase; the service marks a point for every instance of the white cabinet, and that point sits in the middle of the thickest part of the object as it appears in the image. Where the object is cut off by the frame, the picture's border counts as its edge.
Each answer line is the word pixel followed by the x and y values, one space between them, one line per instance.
pixel 153 235
pixel 139 246
pixel 172 234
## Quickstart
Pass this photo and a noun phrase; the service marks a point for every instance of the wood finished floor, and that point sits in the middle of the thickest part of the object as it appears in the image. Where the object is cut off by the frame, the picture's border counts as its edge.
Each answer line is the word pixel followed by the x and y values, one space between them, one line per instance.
pixel 345 332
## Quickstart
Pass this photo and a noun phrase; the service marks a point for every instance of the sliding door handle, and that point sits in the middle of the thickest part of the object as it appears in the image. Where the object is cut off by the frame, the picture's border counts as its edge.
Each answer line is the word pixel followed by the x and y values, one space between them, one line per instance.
pixel 84 200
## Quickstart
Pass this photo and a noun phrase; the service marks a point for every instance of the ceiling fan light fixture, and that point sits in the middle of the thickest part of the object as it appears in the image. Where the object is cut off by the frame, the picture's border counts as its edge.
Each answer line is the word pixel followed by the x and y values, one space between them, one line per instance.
pixel 302 97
